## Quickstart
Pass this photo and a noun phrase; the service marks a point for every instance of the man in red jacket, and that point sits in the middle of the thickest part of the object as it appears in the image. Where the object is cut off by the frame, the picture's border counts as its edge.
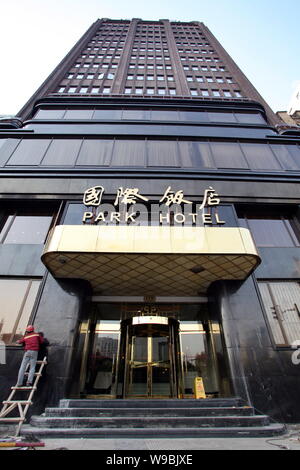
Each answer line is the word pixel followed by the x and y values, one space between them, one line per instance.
pixel 32 342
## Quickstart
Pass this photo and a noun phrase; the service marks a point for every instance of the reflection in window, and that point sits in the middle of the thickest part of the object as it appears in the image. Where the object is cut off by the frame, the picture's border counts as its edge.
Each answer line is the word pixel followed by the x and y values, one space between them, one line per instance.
pixel 282 303
pixel 199 361
pixel 271 230
pixel 25 229
pixel 17 300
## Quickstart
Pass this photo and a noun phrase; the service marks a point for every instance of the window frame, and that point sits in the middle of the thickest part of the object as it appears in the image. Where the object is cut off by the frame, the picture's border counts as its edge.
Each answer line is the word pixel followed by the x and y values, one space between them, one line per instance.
pixel 287 345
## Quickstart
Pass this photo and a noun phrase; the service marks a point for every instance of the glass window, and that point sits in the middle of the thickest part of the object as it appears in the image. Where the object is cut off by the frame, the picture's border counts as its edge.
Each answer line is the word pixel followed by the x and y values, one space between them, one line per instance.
pixel 260 156
pixel 228 155
pixel 129 153
pixel 221 117
pixel 250 118
pixel 193 116
pixel 275 231
pixel 107 113
pixel 163 153
pixel 17 300
pixel 79 114
pixel 29 152
pixel 25 229
pixel 288 155
pixel 282 306
pixel 62 152
pixel 95 152
pixel 49 114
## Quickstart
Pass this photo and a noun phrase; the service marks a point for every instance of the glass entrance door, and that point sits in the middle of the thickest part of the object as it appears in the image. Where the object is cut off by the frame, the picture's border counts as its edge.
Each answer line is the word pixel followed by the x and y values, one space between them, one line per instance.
pixel 150 369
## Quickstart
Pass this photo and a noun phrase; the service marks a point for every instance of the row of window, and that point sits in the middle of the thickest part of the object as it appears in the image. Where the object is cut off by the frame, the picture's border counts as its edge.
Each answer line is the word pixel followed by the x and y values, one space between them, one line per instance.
pixel 199 59
pixel 146 153
pixel 152 115
pixel 149 90
pixel 208 79
pixel 149 57
pixel 160 78
pixel 107 90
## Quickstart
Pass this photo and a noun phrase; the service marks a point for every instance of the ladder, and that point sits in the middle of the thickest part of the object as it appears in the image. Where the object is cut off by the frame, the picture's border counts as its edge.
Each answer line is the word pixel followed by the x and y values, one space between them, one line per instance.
pixel 22 405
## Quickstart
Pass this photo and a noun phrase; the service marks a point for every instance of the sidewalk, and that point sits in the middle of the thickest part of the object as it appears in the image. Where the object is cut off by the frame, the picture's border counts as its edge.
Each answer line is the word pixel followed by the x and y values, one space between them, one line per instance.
pixel 288 441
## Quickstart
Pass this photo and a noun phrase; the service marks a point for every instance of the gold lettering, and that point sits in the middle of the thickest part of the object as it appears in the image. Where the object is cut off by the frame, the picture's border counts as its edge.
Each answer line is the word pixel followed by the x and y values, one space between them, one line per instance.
pixel 87 215
pixel 218 220
pixel 100 217
pixel 206 218
pixel 164 217
pixel 179 221
pixel 129 216
pixel 115 216
pixel 194 217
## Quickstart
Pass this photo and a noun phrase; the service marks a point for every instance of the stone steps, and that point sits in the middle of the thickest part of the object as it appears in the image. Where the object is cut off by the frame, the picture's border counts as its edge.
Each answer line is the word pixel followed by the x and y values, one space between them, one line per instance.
pixel 150 418
pixel 146 412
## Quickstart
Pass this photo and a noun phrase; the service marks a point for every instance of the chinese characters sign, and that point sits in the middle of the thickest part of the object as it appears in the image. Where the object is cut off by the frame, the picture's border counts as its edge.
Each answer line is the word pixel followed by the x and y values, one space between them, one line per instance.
pixel 130 196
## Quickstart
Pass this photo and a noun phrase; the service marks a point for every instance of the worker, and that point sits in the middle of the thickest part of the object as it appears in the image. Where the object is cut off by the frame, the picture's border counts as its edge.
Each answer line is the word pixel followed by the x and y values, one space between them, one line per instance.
pixel 32 342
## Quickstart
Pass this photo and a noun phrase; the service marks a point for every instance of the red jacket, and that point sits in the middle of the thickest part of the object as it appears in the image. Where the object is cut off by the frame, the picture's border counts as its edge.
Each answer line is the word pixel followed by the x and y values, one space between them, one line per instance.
pixel 32 342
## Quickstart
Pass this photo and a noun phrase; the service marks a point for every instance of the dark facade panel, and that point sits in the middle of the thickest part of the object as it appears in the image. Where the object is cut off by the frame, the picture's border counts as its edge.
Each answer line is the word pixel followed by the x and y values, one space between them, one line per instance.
pixel 62 152
pixel 29 152
pixel 95 153
pixel 151 153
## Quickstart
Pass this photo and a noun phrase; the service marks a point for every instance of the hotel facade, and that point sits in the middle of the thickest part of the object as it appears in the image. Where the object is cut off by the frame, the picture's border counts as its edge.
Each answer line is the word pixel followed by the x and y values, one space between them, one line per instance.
pixel 149 225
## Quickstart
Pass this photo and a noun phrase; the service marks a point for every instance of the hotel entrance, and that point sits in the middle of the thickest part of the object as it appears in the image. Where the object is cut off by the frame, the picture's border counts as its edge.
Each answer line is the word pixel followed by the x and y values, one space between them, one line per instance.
pixel 152 351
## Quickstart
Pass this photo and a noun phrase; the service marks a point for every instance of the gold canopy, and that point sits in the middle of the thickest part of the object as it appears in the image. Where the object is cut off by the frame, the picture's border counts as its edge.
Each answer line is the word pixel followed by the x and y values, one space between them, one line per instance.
pixel 139 260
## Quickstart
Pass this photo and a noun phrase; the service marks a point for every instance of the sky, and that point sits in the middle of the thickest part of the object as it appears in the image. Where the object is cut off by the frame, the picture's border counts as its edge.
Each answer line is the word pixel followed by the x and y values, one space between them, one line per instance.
pixel 262 36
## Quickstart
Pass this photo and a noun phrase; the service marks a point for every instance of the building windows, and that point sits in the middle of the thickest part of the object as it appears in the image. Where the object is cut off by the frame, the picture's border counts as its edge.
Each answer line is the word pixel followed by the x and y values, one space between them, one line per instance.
pixel 95 90
pixel 72 89
pixel 83 89
pixel 25 229
pixel 282 306
pixel 216 93
pixel 204 93
pixel 106 90
pixel 128 91
pixel 16 309
pixel 61 89
pixel 194 92
pixel 272 230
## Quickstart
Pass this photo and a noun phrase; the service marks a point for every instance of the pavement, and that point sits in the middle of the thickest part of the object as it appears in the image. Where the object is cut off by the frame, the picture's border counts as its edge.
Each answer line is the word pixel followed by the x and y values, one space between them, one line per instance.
pixel 288 441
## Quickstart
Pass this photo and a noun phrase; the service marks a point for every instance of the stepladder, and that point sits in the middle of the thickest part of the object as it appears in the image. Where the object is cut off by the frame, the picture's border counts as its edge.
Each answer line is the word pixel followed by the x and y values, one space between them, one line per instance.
pixel 16 406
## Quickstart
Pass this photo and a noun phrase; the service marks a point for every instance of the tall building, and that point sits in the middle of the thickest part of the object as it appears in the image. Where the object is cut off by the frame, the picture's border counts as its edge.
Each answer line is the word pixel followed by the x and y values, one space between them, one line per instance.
pixel 150 224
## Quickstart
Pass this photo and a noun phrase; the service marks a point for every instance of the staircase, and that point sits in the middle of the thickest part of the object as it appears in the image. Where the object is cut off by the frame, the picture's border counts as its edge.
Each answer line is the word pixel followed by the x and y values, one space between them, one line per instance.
pixel 151 419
